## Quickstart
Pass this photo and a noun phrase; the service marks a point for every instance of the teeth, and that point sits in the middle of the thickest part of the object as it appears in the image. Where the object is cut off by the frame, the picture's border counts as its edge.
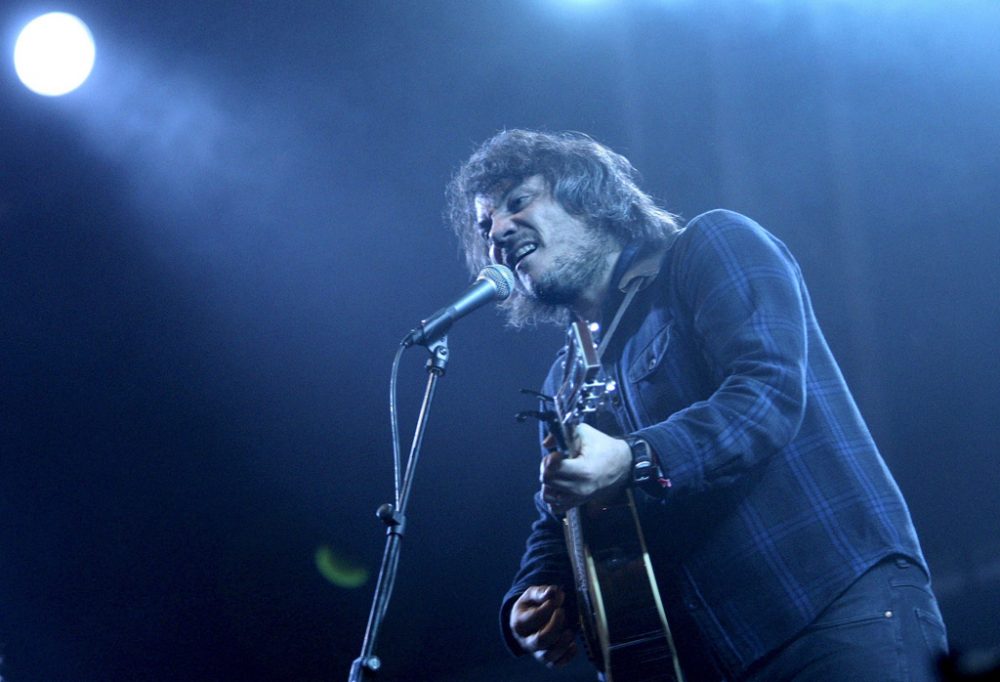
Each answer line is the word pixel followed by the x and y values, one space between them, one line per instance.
pixel 522 252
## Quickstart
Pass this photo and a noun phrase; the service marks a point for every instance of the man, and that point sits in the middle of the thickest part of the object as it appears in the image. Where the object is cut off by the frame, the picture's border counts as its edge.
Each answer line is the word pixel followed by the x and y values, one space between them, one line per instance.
pixel 781 544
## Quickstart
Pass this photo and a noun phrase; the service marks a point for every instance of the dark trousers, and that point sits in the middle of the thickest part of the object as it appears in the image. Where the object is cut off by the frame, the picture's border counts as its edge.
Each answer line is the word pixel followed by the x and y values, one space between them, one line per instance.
pixel 885 628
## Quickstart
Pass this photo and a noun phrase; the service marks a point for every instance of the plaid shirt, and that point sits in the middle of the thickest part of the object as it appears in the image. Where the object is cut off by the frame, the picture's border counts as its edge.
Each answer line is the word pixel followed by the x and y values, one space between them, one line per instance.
pixel 778 497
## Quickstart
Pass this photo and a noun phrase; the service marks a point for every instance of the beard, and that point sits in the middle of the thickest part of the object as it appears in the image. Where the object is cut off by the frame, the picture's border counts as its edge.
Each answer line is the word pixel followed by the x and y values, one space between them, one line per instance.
pixel 567 279
pixel 571 274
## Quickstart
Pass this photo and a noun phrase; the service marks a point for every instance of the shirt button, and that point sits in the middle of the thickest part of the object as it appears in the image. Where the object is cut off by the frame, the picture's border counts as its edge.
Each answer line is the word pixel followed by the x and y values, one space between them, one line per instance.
pixel 888 614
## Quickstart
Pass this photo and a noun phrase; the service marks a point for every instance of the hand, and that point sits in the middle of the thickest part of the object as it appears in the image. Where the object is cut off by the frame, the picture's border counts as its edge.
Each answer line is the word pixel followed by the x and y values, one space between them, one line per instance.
pixel 601 466
pixel 538 623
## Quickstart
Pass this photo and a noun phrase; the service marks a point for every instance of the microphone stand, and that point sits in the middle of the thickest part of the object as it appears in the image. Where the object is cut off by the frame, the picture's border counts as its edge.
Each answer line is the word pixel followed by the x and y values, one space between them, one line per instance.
pixel 368 663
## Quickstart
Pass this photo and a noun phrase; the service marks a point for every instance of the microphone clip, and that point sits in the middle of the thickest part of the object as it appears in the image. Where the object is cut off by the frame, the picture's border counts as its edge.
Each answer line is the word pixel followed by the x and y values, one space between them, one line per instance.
pixel 438 360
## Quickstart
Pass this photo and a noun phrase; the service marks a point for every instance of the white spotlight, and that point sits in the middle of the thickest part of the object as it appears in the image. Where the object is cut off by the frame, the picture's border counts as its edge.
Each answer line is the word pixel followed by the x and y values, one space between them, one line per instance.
pixel 54 54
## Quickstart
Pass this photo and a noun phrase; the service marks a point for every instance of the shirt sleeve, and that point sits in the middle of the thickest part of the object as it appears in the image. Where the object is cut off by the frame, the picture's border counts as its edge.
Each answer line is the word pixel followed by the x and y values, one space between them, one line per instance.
pixel 545 560
pixel 742 291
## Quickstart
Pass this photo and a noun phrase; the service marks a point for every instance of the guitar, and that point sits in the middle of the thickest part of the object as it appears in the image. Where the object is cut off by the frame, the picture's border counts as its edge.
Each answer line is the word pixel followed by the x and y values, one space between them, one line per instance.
pixel 622 618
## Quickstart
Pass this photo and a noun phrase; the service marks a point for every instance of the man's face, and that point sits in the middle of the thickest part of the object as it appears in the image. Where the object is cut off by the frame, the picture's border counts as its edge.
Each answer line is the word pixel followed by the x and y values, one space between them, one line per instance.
pixel 556 256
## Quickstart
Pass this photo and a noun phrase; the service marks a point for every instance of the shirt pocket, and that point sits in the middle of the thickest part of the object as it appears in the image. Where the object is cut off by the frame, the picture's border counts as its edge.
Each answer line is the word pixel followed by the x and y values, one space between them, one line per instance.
pixel 647 361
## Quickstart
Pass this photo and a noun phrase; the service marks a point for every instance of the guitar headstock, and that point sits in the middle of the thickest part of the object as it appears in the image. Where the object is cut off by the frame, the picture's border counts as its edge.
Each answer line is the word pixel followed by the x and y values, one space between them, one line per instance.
pixel 581 392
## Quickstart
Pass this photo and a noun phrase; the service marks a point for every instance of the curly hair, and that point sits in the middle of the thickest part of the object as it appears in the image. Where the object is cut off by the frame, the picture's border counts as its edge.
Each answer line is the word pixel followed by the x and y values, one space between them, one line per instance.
pixel 587 179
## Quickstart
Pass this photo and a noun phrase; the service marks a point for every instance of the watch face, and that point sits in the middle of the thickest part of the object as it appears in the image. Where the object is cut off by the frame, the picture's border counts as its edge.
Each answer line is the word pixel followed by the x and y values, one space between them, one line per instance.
pixel 642 471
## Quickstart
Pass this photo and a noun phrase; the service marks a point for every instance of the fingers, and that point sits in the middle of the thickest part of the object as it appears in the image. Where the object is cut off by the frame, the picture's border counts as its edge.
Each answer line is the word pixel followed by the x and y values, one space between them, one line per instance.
pixel 602 463
pixel 551 463
pixel 554 492
pixel 533 610
pixel 550 633
pixel 538 621
pixel 549 442
pixel 563 487
pixel 560 500
pixel 560 653
pixel 557 468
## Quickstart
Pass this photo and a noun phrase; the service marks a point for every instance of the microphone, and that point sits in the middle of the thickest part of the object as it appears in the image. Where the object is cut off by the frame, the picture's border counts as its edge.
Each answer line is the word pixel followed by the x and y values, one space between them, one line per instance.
pixel 494 283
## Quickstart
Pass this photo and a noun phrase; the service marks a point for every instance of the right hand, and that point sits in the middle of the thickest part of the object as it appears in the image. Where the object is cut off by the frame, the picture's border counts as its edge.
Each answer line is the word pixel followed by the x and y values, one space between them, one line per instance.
pixel 538 623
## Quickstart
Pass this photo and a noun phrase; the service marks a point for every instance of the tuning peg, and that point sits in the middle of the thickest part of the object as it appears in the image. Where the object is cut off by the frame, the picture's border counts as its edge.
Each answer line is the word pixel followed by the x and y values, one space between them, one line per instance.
pixel 541 396
pixel 546 416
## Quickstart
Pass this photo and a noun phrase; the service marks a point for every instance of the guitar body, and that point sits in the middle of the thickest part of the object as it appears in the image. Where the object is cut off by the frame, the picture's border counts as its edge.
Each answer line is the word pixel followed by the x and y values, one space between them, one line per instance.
pixel 621 613
pixel 622 618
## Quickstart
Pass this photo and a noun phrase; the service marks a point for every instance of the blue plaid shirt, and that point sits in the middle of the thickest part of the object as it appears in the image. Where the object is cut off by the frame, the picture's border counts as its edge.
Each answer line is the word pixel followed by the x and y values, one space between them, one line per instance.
pixel 778 497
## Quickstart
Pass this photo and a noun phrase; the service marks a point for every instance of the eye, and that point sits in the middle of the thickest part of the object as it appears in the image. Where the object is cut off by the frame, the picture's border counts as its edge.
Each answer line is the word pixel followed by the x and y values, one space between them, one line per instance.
pixel 484 228
pixel 517 203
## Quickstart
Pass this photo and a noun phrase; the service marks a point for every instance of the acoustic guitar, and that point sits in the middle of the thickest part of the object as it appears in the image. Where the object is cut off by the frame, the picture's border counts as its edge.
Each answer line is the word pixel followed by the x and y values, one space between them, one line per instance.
pixel 622 619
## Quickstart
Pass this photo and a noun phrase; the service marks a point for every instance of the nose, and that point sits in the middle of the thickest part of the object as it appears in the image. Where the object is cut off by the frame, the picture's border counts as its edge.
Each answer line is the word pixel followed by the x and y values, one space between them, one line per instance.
pixel 501 229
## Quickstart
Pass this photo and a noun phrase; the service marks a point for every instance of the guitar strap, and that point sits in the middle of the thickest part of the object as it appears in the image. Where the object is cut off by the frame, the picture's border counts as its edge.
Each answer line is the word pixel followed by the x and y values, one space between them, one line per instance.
pixel 630 292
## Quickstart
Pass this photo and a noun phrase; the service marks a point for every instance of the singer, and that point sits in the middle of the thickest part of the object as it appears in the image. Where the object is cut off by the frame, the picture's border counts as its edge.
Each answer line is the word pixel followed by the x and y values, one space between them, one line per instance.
pixel 781 546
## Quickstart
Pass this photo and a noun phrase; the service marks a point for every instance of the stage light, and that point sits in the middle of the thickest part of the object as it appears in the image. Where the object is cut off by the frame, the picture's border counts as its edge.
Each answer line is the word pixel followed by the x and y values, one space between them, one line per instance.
pixel 54 54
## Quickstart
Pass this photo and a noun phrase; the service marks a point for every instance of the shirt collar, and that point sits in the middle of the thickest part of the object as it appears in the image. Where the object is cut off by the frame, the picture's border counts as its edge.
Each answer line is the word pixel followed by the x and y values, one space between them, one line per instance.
pixel 636 263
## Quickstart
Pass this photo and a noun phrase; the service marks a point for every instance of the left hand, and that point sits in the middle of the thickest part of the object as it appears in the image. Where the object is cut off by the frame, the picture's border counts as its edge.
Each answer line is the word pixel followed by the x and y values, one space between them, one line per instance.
pixel 602 465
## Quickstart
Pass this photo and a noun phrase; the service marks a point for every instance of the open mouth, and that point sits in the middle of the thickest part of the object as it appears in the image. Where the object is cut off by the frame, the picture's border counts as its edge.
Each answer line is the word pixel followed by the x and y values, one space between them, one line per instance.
pixel 520 253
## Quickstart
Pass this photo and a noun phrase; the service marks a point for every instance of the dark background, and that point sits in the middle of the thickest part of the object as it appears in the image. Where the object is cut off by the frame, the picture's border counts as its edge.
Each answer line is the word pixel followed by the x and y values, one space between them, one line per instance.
pixel 210 251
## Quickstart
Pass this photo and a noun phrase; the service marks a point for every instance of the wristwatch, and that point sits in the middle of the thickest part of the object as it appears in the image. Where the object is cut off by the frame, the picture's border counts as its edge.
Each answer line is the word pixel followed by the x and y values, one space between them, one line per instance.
pixel 646 473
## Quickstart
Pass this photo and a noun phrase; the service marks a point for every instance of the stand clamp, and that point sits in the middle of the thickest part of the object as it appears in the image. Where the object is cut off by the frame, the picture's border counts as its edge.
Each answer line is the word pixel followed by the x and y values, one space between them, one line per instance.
pixel 394 520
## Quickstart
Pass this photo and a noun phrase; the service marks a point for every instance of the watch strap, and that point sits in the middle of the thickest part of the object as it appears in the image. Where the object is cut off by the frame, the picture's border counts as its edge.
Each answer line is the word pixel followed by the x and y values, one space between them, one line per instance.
pixel 646 473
